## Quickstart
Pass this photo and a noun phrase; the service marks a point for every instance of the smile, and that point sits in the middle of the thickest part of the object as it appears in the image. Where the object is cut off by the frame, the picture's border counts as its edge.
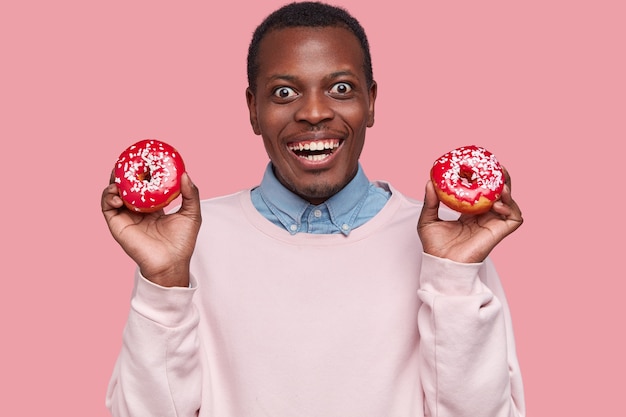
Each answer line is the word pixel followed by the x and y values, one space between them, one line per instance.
pixel 314 150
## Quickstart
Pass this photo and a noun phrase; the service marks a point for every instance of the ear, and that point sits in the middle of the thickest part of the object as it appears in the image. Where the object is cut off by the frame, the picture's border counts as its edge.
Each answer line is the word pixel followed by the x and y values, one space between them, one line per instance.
pixel 251 100
pixel 372 96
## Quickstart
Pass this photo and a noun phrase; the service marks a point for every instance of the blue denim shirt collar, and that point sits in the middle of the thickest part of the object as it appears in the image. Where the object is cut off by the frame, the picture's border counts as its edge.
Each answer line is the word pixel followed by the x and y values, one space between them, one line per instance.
pixel 289 208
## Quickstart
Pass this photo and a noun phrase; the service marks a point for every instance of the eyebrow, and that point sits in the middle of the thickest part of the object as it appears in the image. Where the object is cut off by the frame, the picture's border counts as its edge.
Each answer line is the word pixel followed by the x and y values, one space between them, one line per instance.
pixel 283 77
pixel 330 76
pixel 338 74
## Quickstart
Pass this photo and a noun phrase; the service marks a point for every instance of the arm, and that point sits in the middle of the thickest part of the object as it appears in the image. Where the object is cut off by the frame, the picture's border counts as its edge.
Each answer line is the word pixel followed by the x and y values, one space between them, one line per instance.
pixel 158 370
pixel 470 367
pixel 467 345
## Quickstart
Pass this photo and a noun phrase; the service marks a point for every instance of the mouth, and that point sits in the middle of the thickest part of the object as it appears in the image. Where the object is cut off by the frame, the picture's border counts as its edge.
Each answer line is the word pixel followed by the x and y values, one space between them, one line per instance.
pixel 315 150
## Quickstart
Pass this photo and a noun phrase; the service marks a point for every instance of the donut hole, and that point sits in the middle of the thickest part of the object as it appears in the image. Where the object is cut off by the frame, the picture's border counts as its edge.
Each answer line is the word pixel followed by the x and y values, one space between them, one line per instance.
pixel 145 176
pixel 467 175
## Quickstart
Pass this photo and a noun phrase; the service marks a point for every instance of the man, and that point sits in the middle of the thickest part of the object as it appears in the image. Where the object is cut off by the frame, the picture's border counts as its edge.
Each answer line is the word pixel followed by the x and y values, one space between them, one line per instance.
pixel 314 294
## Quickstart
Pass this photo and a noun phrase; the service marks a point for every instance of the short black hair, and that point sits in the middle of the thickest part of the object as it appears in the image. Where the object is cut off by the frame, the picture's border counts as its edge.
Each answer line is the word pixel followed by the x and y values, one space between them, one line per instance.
pixel 307 14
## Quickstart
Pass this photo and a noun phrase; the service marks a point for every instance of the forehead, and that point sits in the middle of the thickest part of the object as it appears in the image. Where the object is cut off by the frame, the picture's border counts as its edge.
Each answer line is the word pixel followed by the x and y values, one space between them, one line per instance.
pixel 310 48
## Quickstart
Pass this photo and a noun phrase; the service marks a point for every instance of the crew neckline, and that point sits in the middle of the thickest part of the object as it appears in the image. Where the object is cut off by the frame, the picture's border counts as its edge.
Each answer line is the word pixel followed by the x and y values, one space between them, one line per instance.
pixel 258 221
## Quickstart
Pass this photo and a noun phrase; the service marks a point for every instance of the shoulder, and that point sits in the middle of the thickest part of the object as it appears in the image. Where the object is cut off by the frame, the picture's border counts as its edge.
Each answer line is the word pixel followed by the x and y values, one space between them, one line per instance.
pixel 398 197
pixel 412 204
pixel 224 207
pixel 223 200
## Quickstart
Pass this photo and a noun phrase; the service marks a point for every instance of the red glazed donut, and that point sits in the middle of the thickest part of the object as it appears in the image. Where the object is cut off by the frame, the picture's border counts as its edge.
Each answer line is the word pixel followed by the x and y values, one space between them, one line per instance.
pixel 148 175
pixel 468 179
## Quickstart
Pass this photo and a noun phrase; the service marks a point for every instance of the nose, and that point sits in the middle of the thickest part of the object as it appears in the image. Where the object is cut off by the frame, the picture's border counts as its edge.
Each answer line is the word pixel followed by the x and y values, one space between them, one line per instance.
pixel 315 108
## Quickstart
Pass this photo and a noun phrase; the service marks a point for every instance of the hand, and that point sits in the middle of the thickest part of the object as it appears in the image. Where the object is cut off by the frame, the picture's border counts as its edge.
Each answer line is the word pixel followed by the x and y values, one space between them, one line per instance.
pixel 472 237
pixel 160 244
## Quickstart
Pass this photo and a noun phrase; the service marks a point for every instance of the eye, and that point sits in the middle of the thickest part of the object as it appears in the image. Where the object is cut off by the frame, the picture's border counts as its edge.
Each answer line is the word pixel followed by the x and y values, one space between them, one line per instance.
pixel 284 92
pixel 341 88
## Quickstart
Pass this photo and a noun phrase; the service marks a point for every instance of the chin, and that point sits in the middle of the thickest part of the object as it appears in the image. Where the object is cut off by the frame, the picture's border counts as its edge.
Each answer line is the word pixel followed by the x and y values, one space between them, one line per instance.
pixel 319 191
pixel 319 194
pixel 315 186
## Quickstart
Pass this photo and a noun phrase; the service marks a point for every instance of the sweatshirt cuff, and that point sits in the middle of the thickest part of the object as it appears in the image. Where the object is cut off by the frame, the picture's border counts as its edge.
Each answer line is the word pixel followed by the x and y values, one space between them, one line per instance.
pixel 169 307
pixel 447 277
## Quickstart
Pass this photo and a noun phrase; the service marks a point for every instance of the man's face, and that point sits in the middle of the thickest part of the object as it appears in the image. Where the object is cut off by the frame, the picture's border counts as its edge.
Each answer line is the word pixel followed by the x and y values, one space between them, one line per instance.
pixel 312 107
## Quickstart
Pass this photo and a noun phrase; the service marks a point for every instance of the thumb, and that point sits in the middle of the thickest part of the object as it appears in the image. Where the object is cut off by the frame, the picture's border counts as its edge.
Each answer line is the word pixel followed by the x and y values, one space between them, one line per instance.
pixel 190 206
pixel 430 210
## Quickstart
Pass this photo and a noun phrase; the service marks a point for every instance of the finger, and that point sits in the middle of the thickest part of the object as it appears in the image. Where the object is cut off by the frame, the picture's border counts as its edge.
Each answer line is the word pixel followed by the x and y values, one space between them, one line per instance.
pixel 506 197
pixel 507 176
pixel 190 194
pixel 507 207
pixel 110 198
pixel 430 210
pixel 505 201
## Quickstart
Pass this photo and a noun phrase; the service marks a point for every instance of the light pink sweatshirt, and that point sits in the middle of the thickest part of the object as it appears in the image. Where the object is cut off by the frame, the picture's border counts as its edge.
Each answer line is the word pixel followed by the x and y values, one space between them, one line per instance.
pixel 318 326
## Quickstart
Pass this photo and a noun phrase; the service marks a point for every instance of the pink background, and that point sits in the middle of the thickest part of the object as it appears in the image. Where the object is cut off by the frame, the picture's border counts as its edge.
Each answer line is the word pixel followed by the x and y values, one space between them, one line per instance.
pixel 539 83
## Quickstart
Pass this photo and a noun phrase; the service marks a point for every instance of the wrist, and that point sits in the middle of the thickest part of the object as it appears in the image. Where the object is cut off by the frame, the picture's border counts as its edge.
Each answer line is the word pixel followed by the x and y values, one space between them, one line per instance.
pixel 175 276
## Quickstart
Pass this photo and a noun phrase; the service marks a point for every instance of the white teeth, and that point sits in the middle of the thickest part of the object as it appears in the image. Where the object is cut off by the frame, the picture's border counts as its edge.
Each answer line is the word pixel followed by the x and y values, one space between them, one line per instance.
pixel 314 146
pixel 315 157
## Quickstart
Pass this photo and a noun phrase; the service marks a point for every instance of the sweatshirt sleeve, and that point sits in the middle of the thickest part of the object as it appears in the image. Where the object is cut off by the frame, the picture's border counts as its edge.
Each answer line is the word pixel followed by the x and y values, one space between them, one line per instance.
pixel 158 371
pixel 470 367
